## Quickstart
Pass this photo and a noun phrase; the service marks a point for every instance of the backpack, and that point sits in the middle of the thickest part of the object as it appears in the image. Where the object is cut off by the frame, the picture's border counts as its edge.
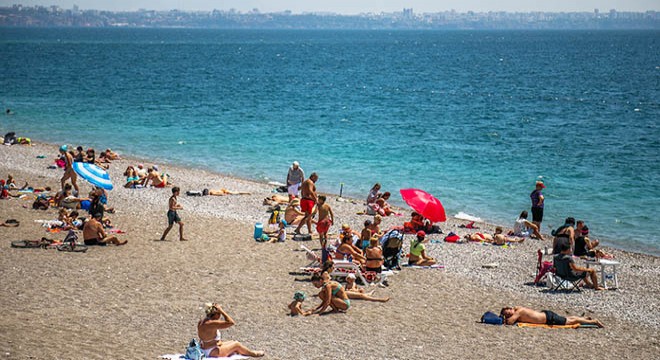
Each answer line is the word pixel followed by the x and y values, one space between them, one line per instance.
pixel 194 351
pixel 490 318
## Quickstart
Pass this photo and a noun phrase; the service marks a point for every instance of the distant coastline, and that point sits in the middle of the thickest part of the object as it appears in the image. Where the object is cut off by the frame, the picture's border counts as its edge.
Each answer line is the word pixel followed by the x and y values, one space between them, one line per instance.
pixel 55 16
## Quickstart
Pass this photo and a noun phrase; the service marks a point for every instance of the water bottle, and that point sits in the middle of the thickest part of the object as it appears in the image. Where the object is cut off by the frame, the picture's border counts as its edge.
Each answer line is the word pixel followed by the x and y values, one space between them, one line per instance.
pixel 258 230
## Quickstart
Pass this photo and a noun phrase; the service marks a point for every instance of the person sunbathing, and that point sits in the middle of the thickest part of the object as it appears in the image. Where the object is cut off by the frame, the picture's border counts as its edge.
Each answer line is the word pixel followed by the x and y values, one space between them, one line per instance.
pixel 346 249
pixel 292 214
pixel 275 199
pixel 332 294
pixel 156 179
pixel 208 331
pixel 132 178
pixel 521 314
pixel 111 155
pixel 500 239
pixel 223 192
pixel 355 292
pixel 418 252
pixel 93 233
pixel 295 307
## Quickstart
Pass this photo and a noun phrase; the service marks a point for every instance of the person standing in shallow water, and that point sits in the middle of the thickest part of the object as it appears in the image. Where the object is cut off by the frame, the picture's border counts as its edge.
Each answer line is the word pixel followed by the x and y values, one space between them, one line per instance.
pixel 538 202
pixel 173 216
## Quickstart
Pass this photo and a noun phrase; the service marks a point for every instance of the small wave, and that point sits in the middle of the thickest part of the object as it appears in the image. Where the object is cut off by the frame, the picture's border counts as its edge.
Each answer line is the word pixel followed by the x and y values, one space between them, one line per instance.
pixel 463 216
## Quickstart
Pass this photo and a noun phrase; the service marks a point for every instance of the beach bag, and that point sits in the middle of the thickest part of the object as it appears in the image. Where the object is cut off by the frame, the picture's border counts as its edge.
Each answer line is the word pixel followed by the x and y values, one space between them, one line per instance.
pixel 451 237
pixel 274 217
pixel 491 318
pixel 194 351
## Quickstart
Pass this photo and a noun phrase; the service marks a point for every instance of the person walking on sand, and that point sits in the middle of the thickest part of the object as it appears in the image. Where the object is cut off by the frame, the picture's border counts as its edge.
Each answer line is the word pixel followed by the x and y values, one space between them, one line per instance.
pixel 538 202
pixel 69 173
pixel 308 201
pixel 521 314
pixel 326 219
pixel 173 216
pixel 294 178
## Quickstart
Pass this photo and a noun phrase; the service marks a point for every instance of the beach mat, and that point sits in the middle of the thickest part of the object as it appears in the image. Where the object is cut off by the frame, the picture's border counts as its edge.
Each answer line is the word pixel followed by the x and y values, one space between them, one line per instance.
pixel 436 266
pixel 182 356
pixel 544 326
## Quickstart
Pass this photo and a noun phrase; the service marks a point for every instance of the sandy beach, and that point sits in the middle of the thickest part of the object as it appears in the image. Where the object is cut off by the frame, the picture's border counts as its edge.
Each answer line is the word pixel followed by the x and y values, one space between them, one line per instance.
pixel 143 300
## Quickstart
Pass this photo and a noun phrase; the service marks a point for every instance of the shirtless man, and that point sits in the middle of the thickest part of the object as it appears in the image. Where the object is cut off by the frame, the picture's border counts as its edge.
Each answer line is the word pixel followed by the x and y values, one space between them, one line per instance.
pixel 93 233
pixel 525 315
pixel 156 179
pixel 309 199
pixel 68 169
pixel 326 218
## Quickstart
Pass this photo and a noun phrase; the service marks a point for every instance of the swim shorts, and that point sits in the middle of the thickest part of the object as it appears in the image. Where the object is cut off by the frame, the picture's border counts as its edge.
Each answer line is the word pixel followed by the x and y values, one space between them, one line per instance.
pixel 553 319
pixel 307 205
pixel 293 189
pixel 161 185
pixel 94 241
pixel 323 226
pixel 172 217
pixel 537 214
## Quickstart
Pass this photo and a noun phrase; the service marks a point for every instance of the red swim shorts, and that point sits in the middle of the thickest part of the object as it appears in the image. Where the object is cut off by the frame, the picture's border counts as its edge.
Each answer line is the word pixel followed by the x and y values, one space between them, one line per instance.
pixel 323 226
pixel 307 205
pixel 161 185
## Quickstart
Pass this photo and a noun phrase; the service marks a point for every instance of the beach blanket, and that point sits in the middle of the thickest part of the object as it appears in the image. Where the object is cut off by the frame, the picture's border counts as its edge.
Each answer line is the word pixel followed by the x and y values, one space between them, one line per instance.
pixel 544 326
pixel 182 356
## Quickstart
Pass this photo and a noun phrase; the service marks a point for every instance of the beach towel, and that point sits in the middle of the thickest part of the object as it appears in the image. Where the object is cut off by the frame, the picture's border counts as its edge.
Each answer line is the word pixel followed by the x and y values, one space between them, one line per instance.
pixel 436 266
pixel 544 326
pixel 182 356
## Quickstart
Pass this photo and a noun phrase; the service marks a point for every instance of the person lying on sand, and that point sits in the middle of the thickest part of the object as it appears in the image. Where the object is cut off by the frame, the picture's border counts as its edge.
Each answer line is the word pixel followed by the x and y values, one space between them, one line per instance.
pixel 525 315
pixel 208 331
pixel 496 239
pixel 93 233
pixel 275 199
pixel 332 294
pixel 296 305
pixel 354 292
pixel 111 155
pixel 223 192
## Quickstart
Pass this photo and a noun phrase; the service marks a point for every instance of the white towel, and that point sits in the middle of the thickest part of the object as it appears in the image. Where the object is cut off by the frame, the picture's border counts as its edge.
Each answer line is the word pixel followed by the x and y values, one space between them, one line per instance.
pixel 183 356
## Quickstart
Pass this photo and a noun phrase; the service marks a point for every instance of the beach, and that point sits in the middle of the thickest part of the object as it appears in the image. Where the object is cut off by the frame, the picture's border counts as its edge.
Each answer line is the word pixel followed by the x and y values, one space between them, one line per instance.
pixel 144 299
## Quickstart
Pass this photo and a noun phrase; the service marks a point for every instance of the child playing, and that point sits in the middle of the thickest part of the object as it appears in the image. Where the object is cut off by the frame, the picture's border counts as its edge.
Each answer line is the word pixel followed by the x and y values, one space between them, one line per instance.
pixel 296 305
pixel 173 216
pixel 281 233
pixel 326 218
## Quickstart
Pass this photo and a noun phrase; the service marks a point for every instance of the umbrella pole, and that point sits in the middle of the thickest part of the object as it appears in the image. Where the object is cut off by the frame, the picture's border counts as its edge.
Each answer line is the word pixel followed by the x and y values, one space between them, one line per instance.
pixel 341 188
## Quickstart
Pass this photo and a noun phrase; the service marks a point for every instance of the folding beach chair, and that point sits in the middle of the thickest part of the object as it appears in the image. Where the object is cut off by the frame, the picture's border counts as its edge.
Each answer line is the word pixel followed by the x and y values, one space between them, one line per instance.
pixel 565 280
pixel 344 267
pixel 311 256
pixel 542 267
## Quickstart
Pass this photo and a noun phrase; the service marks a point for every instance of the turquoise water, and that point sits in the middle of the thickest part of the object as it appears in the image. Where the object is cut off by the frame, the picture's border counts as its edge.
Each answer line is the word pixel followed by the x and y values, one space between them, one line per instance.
pixel 473 117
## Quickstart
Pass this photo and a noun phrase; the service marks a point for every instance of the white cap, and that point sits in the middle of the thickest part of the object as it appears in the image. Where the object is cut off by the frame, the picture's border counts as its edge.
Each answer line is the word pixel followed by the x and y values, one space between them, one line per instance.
pixel 351 276
pixel 295 163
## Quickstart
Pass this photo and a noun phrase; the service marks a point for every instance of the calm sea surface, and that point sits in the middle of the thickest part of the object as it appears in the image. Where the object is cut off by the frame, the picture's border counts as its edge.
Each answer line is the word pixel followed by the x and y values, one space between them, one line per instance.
pixel 474 117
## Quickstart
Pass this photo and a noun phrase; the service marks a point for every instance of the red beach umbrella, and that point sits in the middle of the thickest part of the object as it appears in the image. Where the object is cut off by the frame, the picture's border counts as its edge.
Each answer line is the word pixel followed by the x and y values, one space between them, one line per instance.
pixel 425 204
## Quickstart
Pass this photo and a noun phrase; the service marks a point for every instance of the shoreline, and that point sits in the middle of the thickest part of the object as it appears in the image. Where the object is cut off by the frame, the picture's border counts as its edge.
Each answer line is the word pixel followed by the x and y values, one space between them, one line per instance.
pixel 143 299
pixel 605 242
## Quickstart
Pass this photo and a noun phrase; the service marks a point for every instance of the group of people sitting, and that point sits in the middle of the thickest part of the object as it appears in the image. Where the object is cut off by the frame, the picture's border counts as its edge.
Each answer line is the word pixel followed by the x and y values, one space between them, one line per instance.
pixel 377 202
pixel 103 159
pixel 576 235
pixel 138 176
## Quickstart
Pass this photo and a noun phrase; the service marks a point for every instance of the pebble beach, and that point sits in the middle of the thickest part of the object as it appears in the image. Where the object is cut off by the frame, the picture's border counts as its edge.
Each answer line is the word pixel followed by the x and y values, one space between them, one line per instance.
pixel 143 300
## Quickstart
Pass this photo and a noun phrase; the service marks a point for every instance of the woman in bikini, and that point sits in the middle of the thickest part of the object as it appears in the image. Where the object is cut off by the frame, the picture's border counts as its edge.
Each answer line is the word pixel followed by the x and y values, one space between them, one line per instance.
pixel 347 249
pixel 208 330
pixel 332 294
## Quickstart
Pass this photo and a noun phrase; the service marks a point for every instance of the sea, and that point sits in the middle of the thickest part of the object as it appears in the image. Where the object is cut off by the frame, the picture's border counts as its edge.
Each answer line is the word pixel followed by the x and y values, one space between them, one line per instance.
pixel 472 117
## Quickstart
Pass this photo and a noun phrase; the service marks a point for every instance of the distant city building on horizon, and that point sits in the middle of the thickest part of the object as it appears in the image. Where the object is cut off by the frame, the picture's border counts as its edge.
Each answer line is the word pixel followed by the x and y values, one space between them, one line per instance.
pixel 55 16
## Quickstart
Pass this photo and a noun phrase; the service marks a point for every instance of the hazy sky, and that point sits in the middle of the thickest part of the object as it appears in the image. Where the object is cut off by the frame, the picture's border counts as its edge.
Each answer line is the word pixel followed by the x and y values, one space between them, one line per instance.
pixel 353 6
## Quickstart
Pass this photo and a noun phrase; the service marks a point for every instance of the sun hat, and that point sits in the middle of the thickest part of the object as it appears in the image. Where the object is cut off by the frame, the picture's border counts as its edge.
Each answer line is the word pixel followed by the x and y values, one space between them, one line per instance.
pixel 345 227
pixel 421 233
pixel 541 184
pixel 351 276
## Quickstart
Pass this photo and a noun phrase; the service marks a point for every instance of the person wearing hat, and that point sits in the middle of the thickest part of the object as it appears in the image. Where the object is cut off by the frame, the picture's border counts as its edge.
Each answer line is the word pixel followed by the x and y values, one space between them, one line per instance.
pixel 418 251
pixel 93 233
pixel 538 201
pixel 68 169
pixel 292 214
pixel 294 178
